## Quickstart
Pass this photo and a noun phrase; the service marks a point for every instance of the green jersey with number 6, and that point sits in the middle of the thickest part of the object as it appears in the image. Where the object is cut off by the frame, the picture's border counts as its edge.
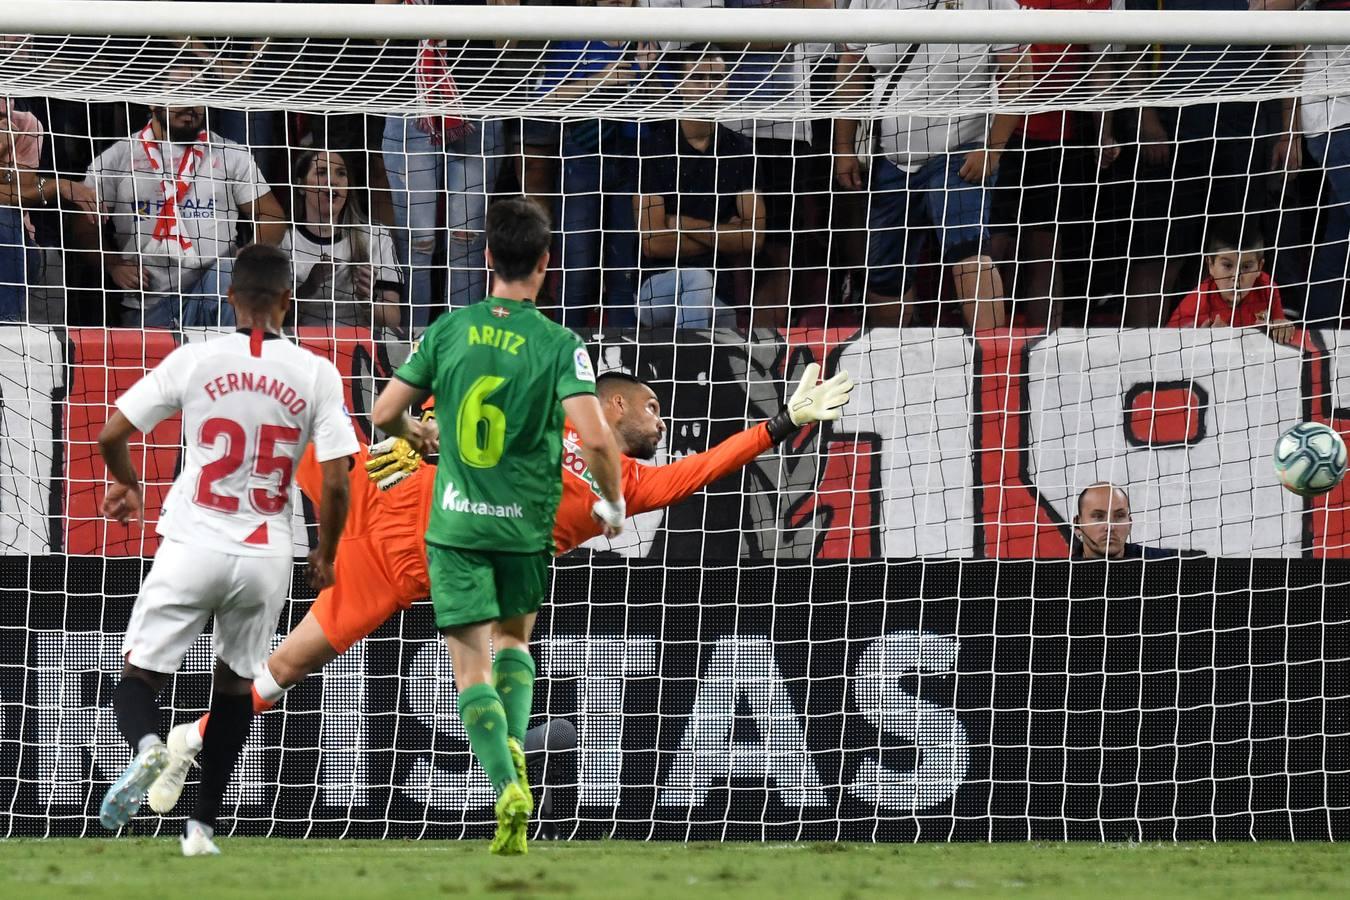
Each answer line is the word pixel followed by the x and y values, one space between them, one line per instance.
pixel 499 371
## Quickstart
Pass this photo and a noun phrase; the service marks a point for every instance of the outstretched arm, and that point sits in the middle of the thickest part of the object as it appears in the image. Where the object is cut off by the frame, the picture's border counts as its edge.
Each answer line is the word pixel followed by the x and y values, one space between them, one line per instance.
pixel 656 487
pixel 659 486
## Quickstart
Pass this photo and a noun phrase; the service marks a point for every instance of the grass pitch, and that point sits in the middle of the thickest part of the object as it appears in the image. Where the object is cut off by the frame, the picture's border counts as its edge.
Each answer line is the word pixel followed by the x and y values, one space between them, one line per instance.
pixel 260 869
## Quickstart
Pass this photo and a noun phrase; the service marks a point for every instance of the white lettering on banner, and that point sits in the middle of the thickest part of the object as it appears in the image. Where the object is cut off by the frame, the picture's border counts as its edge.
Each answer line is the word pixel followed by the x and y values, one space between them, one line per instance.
pixel 32 369
pixel 599 666
pixel 73 730
pixel 743 669
pixel 78 740
pixel 1217 494
pixel 944 752
pixel 1212 492
pixel 913 389
pixel 429 691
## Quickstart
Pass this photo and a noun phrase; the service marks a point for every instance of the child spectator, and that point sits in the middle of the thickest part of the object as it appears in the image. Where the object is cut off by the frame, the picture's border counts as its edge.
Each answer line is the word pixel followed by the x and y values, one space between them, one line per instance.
pixel 1237 293
pixel 346 269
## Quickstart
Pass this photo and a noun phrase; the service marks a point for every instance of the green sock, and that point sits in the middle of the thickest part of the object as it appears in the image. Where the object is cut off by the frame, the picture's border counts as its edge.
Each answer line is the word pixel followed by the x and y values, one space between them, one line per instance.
pixel 484 719
pixel 513 676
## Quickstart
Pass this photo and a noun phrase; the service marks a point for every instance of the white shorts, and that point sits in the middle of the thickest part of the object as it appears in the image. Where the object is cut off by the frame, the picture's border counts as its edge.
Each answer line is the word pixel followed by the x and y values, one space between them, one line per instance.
pixel 186 586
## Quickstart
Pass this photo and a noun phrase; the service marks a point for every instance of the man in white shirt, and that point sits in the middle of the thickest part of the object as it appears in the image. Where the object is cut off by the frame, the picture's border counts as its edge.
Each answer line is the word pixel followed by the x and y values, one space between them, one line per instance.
pixel 251 402
pixel 175 194
pixel 931 173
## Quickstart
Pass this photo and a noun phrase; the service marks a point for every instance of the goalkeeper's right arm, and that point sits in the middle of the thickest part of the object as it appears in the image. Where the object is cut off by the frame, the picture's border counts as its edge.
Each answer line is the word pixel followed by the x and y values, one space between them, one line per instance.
pixel 601 453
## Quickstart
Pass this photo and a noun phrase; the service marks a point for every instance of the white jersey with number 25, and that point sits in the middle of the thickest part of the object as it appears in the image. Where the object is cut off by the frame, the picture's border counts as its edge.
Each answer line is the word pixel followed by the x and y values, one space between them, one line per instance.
pixel 250 402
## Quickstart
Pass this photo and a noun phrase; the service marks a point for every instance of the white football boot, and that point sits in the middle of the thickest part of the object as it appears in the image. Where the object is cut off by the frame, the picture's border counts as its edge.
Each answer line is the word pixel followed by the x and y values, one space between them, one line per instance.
pixel 196 840
pixel 168 787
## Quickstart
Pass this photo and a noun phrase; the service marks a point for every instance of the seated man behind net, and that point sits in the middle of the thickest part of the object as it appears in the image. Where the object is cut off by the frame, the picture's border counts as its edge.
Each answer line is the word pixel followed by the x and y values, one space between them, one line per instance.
pixel 381 561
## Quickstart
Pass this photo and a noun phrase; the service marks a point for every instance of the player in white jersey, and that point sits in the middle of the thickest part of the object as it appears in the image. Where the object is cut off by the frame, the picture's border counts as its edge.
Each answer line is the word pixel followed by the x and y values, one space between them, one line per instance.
pixel 251 402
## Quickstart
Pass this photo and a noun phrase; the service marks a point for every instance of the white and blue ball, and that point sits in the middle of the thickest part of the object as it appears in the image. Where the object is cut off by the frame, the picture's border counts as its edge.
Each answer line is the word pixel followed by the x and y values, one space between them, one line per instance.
pixel 1310 459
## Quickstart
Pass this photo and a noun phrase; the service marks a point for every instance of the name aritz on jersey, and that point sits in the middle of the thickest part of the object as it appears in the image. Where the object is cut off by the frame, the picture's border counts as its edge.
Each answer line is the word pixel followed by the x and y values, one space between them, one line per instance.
pixel 259 384
pixel 451 501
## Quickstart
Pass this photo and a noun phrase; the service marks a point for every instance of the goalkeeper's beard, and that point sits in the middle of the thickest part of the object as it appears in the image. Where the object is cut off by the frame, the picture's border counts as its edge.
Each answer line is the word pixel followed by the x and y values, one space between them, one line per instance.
pixel 635 446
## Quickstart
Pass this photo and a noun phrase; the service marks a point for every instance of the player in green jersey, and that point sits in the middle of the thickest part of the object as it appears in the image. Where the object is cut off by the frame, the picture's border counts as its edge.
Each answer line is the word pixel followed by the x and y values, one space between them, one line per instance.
pixel 503 376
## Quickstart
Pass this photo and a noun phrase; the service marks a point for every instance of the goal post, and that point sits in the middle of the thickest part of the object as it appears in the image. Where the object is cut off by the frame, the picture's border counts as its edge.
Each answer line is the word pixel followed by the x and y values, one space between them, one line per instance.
pixel 1015 228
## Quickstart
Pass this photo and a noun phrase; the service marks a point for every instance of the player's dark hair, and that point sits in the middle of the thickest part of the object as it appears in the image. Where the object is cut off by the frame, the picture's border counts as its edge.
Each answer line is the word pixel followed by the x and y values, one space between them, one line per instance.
pixel 517 236
pixel 616 381
pixel 1078 509
pixel 262 273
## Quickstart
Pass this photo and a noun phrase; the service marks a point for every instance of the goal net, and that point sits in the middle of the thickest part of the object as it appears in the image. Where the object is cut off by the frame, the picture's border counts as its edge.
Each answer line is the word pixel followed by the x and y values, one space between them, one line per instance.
pixel 1039 581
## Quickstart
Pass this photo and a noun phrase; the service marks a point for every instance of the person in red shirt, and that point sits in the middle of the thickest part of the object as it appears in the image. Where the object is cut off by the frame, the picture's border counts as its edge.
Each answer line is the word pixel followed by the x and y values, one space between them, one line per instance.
pixel 1238 292
pixel 381 565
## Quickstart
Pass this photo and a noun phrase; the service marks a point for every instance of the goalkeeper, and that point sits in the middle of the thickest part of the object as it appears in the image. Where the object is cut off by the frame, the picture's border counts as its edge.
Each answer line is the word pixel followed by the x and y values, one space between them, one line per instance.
pixel 381 565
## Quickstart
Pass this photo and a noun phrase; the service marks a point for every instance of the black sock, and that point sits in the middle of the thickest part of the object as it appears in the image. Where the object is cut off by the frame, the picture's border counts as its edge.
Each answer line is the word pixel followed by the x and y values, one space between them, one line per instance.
pixel 226 731
pixel 137 712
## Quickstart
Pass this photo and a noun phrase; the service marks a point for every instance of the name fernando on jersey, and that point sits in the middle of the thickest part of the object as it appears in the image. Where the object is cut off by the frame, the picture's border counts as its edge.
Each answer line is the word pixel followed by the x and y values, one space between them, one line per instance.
pixel 451 501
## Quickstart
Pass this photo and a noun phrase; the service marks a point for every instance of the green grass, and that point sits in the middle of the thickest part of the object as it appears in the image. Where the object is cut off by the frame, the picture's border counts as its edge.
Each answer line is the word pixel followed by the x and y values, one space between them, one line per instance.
pixel 414 870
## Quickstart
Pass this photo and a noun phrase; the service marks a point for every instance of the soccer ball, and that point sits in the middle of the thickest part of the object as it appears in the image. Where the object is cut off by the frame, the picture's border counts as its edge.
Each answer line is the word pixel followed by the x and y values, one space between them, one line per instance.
pixel 1310 459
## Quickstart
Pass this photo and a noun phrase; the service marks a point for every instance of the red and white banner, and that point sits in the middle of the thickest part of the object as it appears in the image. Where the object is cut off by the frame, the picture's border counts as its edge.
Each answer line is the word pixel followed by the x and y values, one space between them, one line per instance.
pixel 951 446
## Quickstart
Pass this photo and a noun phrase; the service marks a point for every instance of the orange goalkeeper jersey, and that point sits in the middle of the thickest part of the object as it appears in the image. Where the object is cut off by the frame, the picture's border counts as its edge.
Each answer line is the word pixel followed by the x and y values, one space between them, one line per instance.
pixel 645 487
pixel 396 519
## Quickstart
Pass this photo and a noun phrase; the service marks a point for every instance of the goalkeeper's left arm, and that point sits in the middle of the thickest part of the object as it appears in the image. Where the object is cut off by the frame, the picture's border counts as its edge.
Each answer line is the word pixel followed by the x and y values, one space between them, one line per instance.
pixel 656 487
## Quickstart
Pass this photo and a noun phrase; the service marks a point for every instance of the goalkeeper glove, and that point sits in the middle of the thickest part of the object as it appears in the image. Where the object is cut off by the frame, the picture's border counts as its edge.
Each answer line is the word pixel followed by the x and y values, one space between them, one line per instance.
pixel 811 402
pixel 391 461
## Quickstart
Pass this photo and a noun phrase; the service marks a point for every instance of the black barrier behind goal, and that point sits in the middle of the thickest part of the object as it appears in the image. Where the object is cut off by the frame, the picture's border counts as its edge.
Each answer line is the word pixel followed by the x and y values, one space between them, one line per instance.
pixel 936 700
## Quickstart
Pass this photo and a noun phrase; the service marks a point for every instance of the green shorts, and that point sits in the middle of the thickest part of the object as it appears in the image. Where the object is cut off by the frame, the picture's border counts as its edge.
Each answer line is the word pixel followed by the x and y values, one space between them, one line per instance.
pixel 469 586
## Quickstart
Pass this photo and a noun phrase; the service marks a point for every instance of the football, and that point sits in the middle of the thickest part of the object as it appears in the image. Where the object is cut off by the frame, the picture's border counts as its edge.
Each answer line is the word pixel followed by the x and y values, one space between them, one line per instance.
pixel 1310 459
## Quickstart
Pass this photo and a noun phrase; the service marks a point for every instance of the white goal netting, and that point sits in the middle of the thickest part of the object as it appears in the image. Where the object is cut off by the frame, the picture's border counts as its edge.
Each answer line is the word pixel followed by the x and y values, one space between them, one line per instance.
pixel 1054 249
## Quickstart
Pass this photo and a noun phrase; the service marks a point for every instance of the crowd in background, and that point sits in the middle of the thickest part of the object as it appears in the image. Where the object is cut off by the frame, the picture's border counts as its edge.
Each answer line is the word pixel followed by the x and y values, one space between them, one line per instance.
pixel 1212 214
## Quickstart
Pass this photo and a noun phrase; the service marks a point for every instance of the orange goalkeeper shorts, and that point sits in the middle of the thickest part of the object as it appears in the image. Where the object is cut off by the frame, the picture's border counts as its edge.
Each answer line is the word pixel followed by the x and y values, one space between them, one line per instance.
pixel 381 564
pixel 364 595
pixel 377 573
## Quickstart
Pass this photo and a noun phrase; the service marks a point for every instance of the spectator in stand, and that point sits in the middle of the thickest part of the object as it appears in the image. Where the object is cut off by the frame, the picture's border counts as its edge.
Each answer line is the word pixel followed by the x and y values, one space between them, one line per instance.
pixel 930 173
pixel 1102 525
pixel 1044 175
pixel 792 178
pixel 345 268
pixel 599 177
pixel 20 148
pixel 1199 161
pixel 176 195
pixel 1237 291
pixel 442 157
pixel 698 212
pixel 1326 126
